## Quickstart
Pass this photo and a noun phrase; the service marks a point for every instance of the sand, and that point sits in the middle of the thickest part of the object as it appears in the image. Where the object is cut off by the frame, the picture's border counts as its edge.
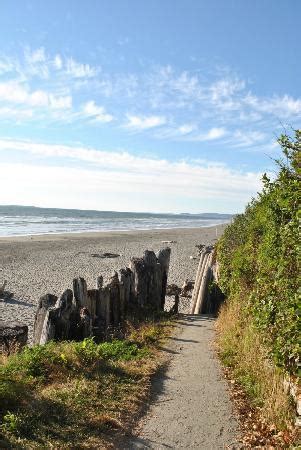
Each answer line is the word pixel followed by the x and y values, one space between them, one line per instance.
pixel 36 265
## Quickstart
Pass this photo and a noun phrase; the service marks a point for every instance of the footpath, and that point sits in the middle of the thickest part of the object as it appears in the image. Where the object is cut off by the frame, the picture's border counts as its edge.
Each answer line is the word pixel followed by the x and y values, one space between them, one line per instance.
pixel 190 406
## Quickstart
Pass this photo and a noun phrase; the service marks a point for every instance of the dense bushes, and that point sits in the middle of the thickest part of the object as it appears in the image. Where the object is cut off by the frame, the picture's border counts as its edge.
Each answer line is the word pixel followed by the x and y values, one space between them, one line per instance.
pixel 258 257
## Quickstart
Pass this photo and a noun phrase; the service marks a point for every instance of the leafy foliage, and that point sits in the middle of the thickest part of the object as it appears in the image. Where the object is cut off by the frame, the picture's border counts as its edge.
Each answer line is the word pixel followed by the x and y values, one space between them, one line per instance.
pixel 258 256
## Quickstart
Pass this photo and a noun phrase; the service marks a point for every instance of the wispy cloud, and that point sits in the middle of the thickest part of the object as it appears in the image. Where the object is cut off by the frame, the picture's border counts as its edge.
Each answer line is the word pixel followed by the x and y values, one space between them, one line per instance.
pixel 17 93
pixel 247 138
pixel 186 128
pixel 79 70
pixel 58 62
pixel 98 113
pixel 285 106
pixel 210 135
pixel 190 133
pixel 35 56
pixel 19 115
pixel 164 102
pixel 144 122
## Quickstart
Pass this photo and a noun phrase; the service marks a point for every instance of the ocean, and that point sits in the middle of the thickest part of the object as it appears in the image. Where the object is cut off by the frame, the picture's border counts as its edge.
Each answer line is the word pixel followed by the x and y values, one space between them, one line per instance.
pixel 28 220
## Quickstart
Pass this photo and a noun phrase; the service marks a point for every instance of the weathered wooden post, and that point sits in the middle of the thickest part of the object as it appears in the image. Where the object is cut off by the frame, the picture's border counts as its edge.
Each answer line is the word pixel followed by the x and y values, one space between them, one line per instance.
pixel 49 325
pixel 198 280
pixel 99 282
pixel 85 324
pixel 164 259
pixel 126 281
pixel 80 292
pixel 102 308
pixel 92 300
pixel 204 284
pixel 46 301
pixel 201 286
pixel 64 304
pixel 153 279
pixel 114 292
pixel 150 278
pixel 140 280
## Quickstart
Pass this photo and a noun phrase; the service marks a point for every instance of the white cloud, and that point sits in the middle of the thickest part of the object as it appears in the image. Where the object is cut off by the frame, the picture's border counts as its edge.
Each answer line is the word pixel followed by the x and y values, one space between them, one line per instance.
pixel 190 133
pixel 98 113
pixel 79 70
pixel 16 114
pixel 210 135
pixel 122 174
pixel 242 138
pixel 144 122
pixel 58 62
pixel 187 84
pixel 7 65
pixel 62 102
pixel 36 63
pixel 215 133
pixel 186 128
pixel 35 56
pixel 225 88
pixel 284 106
pixel 13 92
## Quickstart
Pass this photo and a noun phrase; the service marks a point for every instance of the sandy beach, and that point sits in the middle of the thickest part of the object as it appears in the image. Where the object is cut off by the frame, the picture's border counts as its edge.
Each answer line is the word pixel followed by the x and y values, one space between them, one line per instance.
pixel 36 265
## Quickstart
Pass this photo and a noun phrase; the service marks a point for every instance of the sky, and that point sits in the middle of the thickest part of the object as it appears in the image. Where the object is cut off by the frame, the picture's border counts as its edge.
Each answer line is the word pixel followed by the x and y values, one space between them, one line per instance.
pixel 159 106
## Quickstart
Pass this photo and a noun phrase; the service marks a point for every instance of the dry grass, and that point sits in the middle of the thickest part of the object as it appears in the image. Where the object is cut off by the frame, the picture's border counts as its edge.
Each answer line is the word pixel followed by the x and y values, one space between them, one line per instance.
pixel 78 395
pixel 243 352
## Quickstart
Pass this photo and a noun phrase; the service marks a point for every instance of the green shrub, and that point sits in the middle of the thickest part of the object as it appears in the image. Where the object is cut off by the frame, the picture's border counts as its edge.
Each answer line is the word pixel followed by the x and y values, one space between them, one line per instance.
pixel 11 422
pixel 258 257
pixel 122 350
pixel 33 361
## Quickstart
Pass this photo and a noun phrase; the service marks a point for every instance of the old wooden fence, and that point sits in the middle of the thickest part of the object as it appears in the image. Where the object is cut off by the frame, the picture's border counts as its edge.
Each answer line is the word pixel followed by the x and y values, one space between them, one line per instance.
pixel 83 312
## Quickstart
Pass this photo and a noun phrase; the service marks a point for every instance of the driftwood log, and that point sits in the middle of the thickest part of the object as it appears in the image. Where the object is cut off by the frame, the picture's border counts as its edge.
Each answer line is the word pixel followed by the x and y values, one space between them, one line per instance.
pixel 206 297
pixel 45 303
pixel 200 284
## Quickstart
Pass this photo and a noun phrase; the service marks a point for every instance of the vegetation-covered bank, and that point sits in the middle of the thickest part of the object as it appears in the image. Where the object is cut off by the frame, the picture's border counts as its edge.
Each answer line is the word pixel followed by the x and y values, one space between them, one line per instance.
pixel 259 273
pixel 77 394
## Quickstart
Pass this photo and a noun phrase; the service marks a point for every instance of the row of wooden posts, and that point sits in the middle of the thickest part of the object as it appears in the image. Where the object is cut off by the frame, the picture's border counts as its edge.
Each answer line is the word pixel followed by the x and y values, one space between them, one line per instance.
pixel 83 312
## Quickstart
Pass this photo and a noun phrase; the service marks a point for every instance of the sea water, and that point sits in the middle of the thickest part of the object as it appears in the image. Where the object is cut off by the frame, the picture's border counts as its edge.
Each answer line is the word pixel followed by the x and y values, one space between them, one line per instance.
pixel 27 220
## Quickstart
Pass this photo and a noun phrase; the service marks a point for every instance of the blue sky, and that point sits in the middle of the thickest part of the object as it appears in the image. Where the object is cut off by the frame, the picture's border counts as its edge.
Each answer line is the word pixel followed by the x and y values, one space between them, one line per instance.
pixel 145 106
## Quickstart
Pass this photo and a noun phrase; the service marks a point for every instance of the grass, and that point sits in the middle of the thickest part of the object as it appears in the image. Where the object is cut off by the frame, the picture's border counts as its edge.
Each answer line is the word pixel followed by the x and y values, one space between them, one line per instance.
pixel 77 394
pixel 242 349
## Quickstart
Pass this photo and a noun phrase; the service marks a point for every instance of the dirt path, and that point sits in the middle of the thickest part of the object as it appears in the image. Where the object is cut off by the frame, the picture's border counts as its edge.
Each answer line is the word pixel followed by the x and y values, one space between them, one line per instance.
pixel 190 406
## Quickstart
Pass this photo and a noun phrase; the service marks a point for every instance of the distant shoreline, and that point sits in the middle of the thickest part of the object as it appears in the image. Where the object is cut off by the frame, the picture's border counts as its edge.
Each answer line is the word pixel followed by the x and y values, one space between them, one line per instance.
pixel 71 211
pixel 92 234
pixel 31 221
